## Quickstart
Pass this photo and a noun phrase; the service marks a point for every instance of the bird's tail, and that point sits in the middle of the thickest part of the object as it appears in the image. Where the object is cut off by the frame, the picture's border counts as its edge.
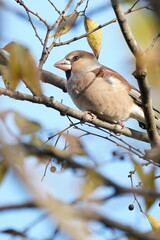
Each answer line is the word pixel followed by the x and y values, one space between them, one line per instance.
pixel 157 121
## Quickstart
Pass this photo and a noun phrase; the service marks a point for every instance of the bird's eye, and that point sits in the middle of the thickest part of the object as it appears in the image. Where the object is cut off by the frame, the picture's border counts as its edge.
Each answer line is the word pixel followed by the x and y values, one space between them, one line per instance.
pixel 75 58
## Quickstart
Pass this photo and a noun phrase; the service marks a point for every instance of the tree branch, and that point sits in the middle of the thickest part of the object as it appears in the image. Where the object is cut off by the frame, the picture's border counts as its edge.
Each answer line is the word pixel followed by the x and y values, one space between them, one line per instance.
pixel 65 156
pixel 156 6
pixel 65 110
pixel 140 73
pixel 54 80
pixel 18 206
pixel 92 215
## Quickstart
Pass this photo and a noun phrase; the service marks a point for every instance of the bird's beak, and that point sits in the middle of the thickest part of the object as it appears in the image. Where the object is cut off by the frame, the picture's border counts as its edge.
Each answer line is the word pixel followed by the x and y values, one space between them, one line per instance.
pixel 63 64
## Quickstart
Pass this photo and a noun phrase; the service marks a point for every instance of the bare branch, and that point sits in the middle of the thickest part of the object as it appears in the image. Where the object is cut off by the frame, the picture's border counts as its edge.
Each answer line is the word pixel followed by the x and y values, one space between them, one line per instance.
pixel 153 42
pixel 156 6
pixel 18 206
pixel 30 11
pixel 65 110
pixel 46 50
pixel 56 9
pixel 66 156
pixel 34 28
pixel 99 27
pixel 140 73
pixel 92 215
pixel 54 80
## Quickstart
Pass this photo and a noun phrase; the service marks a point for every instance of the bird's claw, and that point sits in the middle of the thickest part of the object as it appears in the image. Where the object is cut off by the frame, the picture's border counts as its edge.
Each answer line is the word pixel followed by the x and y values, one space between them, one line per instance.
pixel 91 114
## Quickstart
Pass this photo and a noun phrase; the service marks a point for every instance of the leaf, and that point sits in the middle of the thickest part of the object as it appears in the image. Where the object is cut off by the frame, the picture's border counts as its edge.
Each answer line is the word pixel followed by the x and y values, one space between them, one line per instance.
pixel 3 58
pixel 26 126
pixel 21 66
pixel 150 26
pixel 65 25
pixel 3 170
pixel 155 223
pixel 92 181
pixel 4 114
pixel 153 153
pixel 37 141
pixel 95 38
pixel 148 182
pixel 74 145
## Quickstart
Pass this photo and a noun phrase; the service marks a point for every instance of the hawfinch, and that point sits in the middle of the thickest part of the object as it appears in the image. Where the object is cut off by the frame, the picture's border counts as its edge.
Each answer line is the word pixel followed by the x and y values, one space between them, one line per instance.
pixel 100 90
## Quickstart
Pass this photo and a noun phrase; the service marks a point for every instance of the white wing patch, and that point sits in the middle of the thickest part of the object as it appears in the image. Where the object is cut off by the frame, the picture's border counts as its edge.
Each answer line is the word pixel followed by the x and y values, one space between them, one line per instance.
pixel 113 81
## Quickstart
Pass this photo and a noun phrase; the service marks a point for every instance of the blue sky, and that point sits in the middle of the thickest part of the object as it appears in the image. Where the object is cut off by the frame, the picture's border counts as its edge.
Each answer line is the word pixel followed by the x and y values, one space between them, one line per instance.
pixel 115 54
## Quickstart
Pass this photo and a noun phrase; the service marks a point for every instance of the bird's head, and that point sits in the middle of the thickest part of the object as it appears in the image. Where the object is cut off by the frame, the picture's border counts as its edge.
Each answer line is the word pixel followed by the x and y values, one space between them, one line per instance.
pixel 78 61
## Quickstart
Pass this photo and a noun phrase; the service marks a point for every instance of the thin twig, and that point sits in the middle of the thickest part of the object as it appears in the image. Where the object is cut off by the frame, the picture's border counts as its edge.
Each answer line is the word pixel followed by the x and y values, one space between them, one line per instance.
pixel 134 4
pixel 34 28
pixel 111 140
pixel 79 3
pixel 35 14
pixel 46 50
pixel 56 9
pixel 45 170
pixel 153 42
pixel 134 194
pixel 84 11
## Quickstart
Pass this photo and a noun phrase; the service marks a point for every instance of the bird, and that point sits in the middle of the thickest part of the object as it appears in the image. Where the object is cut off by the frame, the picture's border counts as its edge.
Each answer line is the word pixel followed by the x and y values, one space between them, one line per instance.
pixel 101 91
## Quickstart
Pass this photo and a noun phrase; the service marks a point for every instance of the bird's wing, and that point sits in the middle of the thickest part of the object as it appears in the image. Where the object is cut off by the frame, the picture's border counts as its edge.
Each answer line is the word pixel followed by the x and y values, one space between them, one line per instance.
pixel 114 78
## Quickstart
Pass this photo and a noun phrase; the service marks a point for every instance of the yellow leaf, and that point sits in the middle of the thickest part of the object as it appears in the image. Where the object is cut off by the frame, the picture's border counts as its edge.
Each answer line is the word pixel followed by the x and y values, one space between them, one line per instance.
pixel 65 24
pixel 95 38
pixel 21 66
pixel 3 62
pixel 148 182
pixel 149 24
pixel 74 145
pixel 26 126
pixel 4 114
pixel 3 169
pixel 36 141
pixel 155 224
pixel 92 181
pixel 31 75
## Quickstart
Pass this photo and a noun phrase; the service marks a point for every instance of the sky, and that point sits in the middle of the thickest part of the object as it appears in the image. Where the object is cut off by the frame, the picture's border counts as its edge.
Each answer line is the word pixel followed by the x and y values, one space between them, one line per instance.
pixel 116 55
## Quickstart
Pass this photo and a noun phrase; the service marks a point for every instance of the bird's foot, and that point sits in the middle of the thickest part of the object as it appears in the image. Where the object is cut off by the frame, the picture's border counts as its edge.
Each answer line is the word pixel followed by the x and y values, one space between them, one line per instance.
pixel 122 126
pixel 91 114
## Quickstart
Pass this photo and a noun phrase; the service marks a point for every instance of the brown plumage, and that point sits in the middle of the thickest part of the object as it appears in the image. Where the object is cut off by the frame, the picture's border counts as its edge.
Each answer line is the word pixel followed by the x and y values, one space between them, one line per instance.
pixel 100 90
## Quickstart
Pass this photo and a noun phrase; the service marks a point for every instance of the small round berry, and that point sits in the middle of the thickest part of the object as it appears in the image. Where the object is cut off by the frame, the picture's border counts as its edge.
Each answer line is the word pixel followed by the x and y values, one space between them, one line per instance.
pixel 131 207
pixel 114 153
pixel 53 169
pixel 121 158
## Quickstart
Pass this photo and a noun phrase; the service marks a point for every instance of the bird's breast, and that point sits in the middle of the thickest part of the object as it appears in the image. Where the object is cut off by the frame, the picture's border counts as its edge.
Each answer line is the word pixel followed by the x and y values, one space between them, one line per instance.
pixel 103 99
